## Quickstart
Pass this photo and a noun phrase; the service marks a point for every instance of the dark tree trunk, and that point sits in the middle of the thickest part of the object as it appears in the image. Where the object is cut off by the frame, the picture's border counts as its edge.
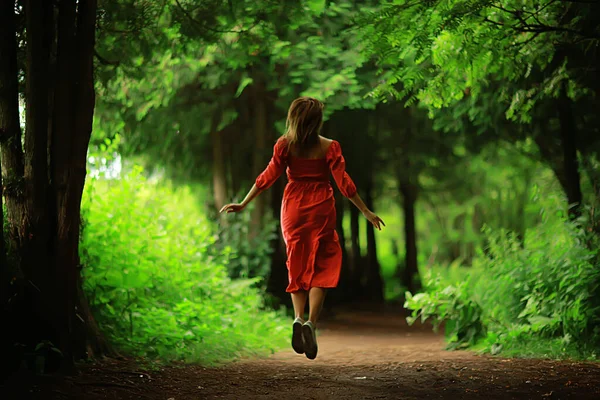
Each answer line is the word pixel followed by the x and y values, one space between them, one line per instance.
pixel 278 276
pixel 356 258
pixel 72 126
pixel 6 52
pixel 373 280
pixel 45 212
pixel 219 176
pixel 374 283
pixel 343 293
pixel 61 150
pixel 260 152
pixel 39 20
pixel 568 137
pixel 11 151
pixel 410 275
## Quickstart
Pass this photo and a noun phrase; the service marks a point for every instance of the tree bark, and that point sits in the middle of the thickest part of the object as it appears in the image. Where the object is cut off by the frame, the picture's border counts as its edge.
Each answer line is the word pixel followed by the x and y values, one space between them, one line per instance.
pixel 568 137
pixel 219 176
pixel 11 151
pixel 260 155
pixel 44 211
pixel 356 260
pixel 39 20
pixel 278 276
pixel 410 276
pixel 61 149
pixel 343 292
pixel 374 282
pixel 85 102
pixel 72 126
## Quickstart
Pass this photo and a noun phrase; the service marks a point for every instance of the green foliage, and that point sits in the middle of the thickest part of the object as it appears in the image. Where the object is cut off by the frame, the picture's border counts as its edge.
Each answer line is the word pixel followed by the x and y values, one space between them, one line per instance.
pixel 450 304
pixel 156 286
pixel 544 288
pixel 252 257
pixel 441 51
pixel 479 139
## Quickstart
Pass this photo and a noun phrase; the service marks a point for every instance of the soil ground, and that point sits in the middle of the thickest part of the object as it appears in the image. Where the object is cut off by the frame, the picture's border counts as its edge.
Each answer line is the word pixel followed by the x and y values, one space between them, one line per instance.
pixel 361 356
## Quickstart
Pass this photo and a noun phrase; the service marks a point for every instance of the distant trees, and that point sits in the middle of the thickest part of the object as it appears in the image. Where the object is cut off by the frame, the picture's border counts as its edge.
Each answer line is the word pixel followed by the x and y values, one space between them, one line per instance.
pixel 513 70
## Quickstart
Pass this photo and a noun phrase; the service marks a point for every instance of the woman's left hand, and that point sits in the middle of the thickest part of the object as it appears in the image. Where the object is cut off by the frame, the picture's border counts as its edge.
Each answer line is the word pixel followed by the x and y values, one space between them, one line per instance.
pixel 229 208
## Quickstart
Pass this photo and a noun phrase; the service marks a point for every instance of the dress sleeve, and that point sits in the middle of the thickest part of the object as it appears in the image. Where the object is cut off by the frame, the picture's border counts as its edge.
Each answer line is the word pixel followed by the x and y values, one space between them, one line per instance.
pixel 275 168
pixel 337 165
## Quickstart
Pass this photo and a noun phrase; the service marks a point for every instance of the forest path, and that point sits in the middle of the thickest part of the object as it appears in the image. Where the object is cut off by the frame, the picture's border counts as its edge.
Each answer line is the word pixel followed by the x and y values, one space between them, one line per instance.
pixel 361 356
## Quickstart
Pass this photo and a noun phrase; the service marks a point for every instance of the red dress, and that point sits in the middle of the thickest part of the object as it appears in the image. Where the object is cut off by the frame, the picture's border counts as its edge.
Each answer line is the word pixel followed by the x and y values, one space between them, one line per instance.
pixel 314 255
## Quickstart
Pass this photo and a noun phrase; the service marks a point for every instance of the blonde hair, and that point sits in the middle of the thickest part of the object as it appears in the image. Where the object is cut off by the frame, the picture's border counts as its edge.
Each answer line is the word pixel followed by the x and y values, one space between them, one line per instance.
pixel 304 123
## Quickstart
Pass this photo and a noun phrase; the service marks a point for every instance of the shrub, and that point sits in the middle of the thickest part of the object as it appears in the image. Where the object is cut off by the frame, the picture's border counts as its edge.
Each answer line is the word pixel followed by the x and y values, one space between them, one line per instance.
pixel 543 288
pixel 154 283
pixel 252 257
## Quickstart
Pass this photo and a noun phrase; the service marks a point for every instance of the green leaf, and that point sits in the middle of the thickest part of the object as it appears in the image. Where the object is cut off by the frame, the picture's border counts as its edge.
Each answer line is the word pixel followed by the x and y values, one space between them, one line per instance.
pixel 317 6
pixel 243 83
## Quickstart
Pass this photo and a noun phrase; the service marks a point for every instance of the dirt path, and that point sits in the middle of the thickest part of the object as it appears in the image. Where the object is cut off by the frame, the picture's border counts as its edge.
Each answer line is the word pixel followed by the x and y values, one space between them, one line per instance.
pixel 364 356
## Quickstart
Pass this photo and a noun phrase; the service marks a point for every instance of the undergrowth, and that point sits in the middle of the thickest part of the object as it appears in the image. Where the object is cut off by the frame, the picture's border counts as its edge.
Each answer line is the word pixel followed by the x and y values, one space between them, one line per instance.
pixel 155 283
pixel 532 297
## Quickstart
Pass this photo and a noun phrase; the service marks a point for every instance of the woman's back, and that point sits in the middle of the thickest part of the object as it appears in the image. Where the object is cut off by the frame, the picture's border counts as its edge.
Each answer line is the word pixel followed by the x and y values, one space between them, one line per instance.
pixel 311 164
pixel 318 151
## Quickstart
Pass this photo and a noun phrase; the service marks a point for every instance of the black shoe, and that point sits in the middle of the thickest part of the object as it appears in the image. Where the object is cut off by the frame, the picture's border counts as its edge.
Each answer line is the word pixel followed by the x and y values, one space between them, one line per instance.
pixel 310 340
pixel 297 341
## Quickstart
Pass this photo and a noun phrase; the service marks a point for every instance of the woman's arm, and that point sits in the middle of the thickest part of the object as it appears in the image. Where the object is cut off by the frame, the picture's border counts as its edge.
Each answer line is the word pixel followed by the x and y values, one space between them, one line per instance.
pixel 264 181
pixel 374 219
pixel 337 165
pixel 237 207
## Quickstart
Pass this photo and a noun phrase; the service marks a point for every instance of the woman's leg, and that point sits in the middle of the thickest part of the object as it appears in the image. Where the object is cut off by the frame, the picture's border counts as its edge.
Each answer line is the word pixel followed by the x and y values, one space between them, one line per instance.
pixel 316 298
pixel 299 302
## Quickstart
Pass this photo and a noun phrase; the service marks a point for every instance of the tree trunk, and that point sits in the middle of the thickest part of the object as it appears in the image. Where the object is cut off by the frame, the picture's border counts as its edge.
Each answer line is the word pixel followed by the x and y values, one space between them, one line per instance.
pixel 73 114
pixel 260 152
pixel 11 151
pixel 61 150
pixel 356 259
pixel 343 292
pixel 410 276
pixel 39 20
pixel 219 176
pixel 568 136
pixel 278 276
pixel 374 283
pixel 44 211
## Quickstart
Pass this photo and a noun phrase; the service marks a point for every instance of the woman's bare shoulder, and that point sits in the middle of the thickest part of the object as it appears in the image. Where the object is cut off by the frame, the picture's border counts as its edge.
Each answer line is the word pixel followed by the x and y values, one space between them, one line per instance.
pixel 325 142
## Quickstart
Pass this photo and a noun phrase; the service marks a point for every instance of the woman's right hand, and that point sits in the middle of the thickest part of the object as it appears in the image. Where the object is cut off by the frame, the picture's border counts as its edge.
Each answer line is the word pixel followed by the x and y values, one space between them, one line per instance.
pixel 374 219
pixel 229 208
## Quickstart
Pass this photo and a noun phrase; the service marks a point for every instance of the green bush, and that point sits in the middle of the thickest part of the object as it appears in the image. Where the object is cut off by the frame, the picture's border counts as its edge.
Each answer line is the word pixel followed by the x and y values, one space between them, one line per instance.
pixel 252 257
pixel 155 284
pixel 543 289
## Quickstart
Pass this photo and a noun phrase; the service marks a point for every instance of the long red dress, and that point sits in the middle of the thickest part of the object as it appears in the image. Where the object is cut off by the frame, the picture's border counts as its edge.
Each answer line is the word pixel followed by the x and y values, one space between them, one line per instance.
pixel 314 255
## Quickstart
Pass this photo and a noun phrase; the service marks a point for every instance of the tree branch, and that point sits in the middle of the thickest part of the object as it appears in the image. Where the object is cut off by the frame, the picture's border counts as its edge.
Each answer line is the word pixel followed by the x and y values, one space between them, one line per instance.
pixel 202 27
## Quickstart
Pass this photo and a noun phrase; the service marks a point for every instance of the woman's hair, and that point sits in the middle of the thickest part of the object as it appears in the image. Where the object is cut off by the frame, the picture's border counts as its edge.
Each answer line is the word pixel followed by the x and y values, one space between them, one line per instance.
pixel 304 122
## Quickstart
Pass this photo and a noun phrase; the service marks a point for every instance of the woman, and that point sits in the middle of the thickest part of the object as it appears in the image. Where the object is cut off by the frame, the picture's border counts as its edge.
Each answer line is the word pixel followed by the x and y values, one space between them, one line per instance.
pixel 314 255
